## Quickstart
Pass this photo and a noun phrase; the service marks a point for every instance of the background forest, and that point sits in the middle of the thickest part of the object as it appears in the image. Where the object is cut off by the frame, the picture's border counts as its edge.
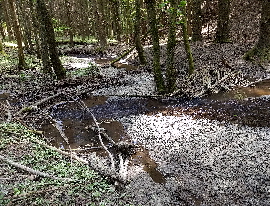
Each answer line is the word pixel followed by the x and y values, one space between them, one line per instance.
pixel 39 27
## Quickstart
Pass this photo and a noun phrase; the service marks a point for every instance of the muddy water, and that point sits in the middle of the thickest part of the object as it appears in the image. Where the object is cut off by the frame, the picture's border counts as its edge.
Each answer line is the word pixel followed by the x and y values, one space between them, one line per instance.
pixel 238 106
pixel 256 90
pixel 73 120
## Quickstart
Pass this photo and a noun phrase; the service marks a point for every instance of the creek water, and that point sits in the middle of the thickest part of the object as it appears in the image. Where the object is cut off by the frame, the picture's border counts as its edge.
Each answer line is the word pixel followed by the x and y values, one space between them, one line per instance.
pixel 249 106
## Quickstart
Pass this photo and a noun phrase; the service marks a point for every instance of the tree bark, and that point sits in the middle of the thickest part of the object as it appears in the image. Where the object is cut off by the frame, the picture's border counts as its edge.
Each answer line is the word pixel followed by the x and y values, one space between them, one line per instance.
pixel 35 28
pixel 68 8
pixel 100 23
pixel 196 20
pixel 137 32
pixel 48 40
pixel 151 13
pixel 170 70
pixel 116 19
pixel 8 19
pixel 1 47
pixel 18 34
pixel 262 49
pixel 186 42
pixel 223 29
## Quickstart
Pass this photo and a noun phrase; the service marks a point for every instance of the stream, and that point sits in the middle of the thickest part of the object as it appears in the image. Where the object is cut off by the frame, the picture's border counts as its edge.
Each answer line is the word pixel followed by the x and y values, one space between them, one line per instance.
pixel 247 106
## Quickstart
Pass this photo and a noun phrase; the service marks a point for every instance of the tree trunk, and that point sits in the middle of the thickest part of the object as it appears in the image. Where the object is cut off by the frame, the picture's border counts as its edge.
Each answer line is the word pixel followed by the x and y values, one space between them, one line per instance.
pixel 189 17
pixel 18 35
pixel 68 8
pixel 48 40
pixel 151 13
pixel 8 20
pixel 26 25
pixel 196 20
pixel 2 30
pixel 1 47
pixel 223 29
pixel 100 23
pixel 137 32
pixel 186 42
pixel 35 28
pixel 262 49
pixel 116 19
pixel 170 70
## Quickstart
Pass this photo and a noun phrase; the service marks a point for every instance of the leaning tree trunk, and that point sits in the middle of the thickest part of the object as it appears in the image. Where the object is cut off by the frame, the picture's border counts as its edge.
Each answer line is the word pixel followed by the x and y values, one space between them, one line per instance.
pixel 262 48
pixel 137 32
pixel 196 20
pixel 151 13
pixel 48 39
pixel 170 70
pixel 223 29
pixel 18 34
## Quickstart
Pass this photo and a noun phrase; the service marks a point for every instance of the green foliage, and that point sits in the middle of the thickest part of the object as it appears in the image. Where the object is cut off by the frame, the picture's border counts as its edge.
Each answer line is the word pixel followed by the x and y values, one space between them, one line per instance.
pixel 85 184
pixel 91 70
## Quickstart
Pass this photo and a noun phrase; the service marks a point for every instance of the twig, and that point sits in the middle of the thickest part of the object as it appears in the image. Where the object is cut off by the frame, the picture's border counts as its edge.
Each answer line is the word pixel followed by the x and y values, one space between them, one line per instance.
pixel 8 111
pixel 101 142
pixel 81 103
pixel 103 133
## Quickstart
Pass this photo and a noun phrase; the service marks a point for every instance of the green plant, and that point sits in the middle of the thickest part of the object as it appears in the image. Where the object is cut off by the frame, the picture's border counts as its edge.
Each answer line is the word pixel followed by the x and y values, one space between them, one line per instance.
pixel 91 70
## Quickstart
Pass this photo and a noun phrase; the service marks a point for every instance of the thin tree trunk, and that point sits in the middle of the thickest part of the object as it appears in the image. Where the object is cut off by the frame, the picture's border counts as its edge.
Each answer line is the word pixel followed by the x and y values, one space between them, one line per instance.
pixel 68 9
pixel 116 19
pixel 137 32
pixel 151 12
pixel 7 17
pixel 1 47
pixel 223 29
pixel 2 31
pixel 186 42
pixel 170 70
pixel 16 27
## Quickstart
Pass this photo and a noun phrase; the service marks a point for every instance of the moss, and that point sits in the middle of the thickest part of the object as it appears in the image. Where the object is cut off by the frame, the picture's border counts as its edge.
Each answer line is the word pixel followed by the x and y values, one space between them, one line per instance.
pixel 256 54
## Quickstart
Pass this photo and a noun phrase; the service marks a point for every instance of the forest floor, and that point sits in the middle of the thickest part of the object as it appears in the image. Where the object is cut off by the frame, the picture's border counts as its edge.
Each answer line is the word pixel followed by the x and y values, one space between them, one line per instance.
pixel 192 151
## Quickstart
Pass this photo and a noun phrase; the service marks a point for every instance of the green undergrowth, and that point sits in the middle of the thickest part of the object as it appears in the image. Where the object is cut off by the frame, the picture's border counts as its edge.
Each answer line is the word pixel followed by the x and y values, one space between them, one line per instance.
pixel 90 71
pixel 76 184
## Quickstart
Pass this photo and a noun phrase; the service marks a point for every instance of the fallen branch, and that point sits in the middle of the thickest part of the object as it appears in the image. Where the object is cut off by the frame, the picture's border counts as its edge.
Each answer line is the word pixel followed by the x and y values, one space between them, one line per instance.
pixel 32 107
pixel 128 51
pixel 101 142
pixel 69 154
pixel 30 170
pixel 122 56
